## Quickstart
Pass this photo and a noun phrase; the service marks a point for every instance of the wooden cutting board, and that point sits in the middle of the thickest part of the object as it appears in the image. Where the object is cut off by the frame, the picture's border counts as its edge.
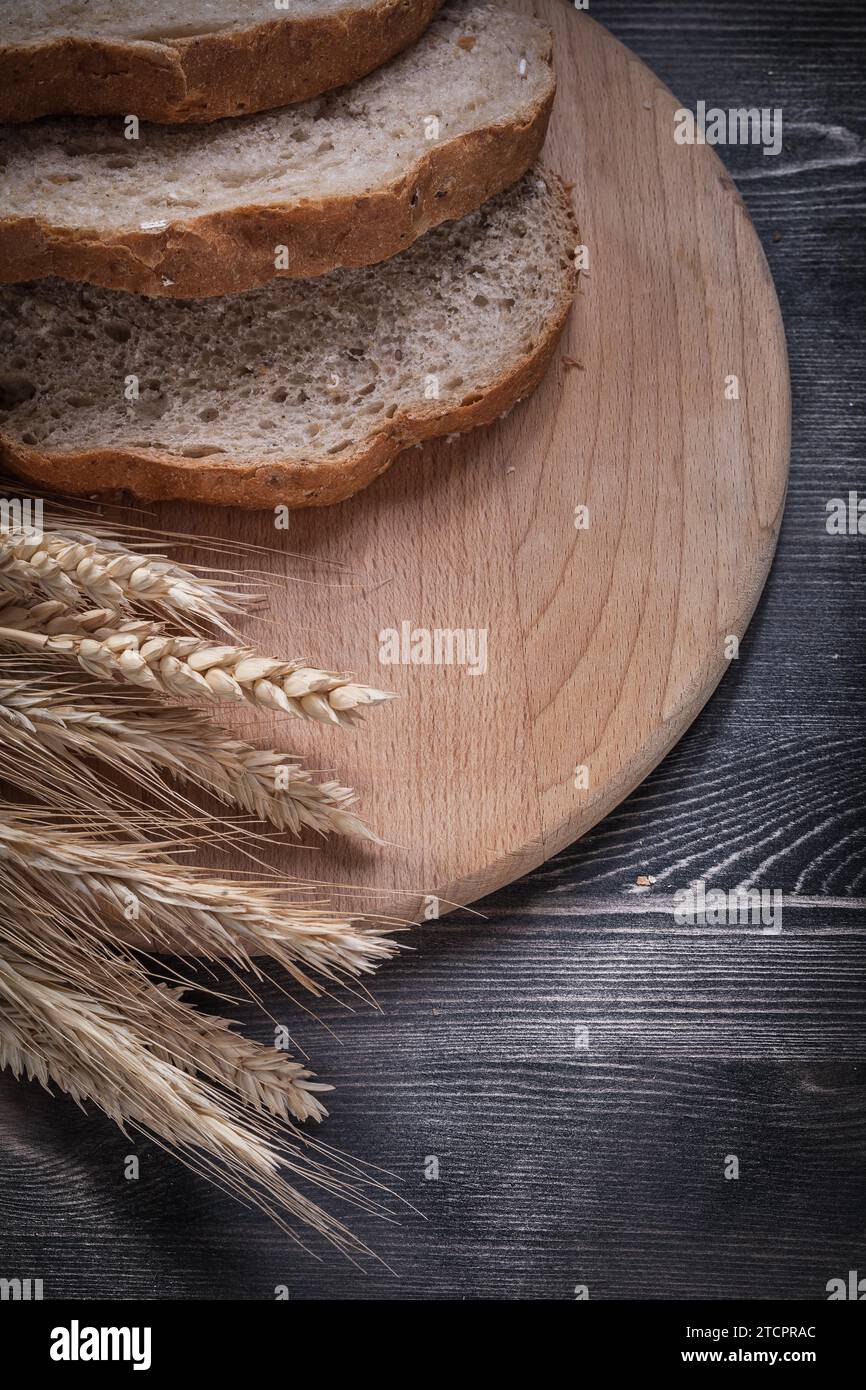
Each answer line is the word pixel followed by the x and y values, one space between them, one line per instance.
pixel 603 643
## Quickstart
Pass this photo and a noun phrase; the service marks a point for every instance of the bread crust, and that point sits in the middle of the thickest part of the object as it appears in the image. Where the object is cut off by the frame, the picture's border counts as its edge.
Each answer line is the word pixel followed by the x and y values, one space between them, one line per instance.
pixel 205 77
pixel 234 250
pixel 153 475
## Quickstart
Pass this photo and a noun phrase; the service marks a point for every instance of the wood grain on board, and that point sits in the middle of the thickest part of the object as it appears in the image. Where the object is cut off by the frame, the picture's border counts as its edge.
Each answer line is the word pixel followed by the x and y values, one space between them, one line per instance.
pixel 603 643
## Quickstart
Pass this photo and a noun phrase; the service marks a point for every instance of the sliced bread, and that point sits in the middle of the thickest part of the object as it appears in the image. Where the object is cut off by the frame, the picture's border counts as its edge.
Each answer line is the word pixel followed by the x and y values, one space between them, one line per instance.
pixel 192 62
pixel 299 393
pixel 346 180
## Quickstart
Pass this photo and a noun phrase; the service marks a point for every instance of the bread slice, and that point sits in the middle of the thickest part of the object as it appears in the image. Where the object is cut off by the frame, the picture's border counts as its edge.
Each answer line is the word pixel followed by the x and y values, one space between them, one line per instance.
pixel 298 393
pixel 346 180
pixel 191 62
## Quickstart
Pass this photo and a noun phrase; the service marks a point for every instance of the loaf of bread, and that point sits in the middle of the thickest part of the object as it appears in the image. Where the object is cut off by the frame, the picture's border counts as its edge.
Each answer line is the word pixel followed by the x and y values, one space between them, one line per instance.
pixel 297 393
pixel 348 179
pixel 191 62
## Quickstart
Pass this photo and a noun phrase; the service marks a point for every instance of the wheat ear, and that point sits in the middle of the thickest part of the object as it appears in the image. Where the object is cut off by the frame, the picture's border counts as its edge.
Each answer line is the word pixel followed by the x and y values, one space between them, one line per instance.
pixel 177 908
pixel 265 1078
pixel 73 566
pixel 262 1077
pixel 73 725
pixel 76 1011
pixel 96 1046
pixel 195 668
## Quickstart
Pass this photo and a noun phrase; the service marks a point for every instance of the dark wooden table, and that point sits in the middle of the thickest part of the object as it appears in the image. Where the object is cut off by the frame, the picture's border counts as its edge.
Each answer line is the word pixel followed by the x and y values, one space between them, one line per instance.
pixel 562 1165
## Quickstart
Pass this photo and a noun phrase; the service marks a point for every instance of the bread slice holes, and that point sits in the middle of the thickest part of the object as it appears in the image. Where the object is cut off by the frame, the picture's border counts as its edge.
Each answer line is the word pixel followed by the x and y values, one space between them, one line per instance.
pixel 117 330
pixel 80 401
pixel 210 412
pixel 338 448
pixel 15 389
pixel 279 395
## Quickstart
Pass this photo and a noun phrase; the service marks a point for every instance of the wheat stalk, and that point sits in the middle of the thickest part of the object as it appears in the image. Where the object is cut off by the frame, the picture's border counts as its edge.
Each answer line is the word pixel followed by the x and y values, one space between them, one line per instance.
pixel 267 1079
pixel 77 1007
pixel 95 1044
pixel 73 725
pixel 71 565
pixel 175 906
pixel 78 1013
pixel 195 668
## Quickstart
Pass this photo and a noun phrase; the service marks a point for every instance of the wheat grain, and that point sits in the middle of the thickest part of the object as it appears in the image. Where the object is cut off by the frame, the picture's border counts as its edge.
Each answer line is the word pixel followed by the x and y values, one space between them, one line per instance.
pixel 82 1013
pixel 70 566
pixel 53 617
pixel 77 1007
pixel 264 1078
pixel 91 1044
pixel 75 726
pixel 176 907
pixel 195 668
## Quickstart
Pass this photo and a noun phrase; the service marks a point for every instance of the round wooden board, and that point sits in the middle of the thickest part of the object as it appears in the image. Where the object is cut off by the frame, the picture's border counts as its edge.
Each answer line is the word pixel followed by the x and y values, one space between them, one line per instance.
pixel 603 643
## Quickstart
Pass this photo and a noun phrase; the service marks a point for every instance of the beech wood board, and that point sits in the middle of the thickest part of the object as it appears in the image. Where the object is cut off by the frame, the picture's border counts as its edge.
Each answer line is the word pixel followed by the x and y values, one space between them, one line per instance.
pixel 604 643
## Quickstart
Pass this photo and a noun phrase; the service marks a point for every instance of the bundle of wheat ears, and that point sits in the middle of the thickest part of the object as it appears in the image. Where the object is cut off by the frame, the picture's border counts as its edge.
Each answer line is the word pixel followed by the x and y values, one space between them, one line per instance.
pixel 101 642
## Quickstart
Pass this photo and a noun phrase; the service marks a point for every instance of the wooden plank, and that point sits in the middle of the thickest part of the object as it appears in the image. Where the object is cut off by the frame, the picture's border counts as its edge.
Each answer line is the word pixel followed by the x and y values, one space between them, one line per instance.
pixel 606 1173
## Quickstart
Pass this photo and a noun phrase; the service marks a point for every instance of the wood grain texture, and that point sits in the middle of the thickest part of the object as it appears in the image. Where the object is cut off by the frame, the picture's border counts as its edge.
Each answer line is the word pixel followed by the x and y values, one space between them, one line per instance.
pixel 606 1171
pixel 603 643
pixel 558 1166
